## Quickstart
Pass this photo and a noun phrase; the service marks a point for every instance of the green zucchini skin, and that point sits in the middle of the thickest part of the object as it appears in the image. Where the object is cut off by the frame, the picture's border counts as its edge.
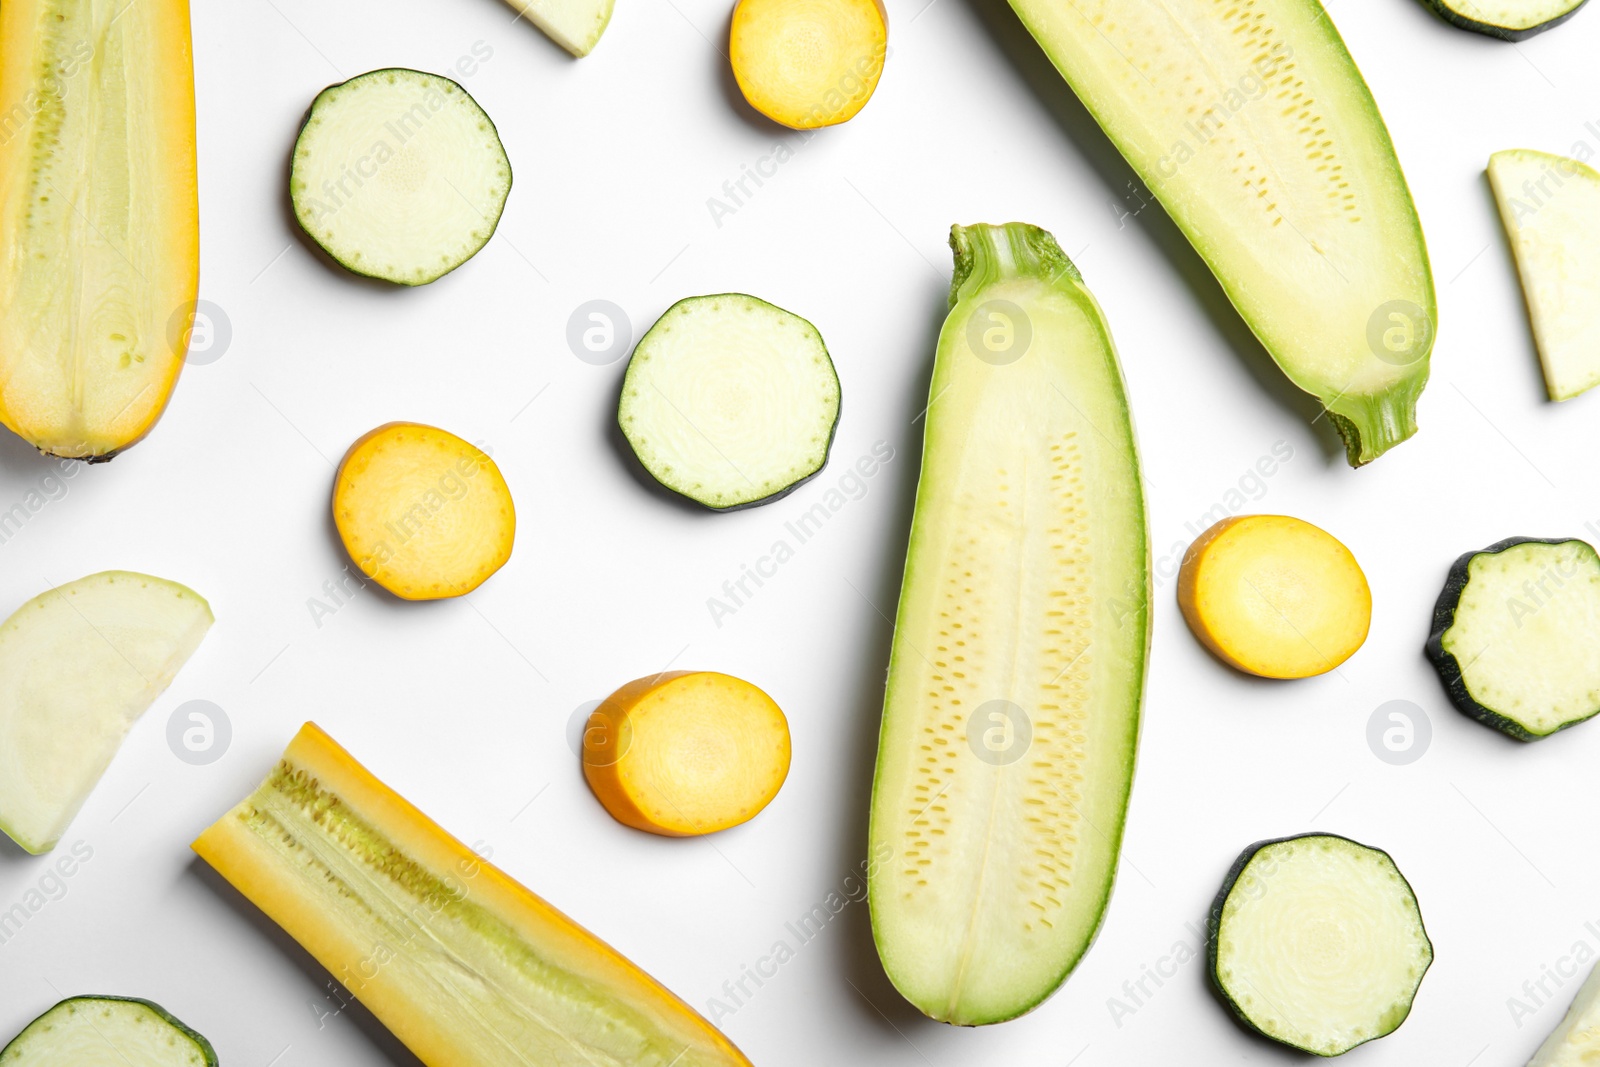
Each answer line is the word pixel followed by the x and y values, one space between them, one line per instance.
pixel 161 1013
pixel 1449 668
pixel 1214 928
pixel 1456 18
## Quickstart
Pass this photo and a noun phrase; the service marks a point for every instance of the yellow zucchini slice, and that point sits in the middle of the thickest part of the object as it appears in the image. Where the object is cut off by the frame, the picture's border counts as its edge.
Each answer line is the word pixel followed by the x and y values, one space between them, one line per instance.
pixel 808 63
pixel 463 964
pixel 1274 596
pixel 99 218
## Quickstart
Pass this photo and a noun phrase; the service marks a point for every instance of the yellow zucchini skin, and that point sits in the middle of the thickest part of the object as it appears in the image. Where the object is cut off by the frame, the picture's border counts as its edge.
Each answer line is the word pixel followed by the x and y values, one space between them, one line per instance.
pixel 466 966
pixel 99 218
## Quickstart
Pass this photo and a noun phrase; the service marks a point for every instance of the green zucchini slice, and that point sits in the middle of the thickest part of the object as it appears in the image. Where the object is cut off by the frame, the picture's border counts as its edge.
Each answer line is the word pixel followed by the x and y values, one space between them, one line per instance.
pixel 399 175
pixel 1252 126
pixel 1317 942
pixel 1575 1042
pixel 1011 718
pixel 730 401
pixel 96 1031
pixel 1509 20
pixel 1550 206
pixel 1515 632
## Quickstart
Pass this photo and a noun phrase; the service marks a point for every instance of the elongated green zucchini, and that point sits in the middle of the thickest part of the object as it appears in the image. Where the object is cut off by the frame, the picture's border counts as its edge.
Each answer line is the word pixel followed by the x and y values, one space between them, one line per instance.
pixel 1012 713
pixel 1514 635
pixel 95 1031
pixel 1317 941
pixel 1509 20
pixel 1253 127
pixel 99 218
pixel 462 963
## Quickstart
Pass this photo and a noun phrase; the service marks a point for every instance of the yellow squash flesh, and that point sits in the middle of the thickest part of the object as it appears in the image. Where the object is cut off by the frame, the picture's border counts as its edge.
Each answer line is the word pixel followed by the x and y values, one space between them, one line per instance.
pixel 463 964
pixel 99 218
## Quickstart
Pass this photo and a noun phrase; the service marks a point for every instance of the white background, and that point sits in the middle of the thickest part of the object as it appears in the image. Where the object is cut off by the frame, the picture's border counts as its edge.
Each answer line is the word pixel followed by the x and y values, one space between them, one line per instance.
pixel 464 706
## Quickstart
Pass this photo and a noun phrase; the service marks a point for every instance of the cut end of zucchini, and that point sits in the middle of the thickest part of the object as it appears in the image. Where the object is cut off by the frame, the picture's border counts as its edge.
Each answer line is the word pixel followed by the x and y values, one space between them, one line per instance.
pixel 730 401
pixel 1514 634
pixel 1550 206
pixel 1509 20
pixel 1317 942
pixel 575 25
pixel 1011 717
pixel 462 963
pixel 399 175
pixel 686 752
pixel 1575 1042
pixel 1274 596
pixel 423 513
pixel 97 1031
pixel 84 661
pixel 808 63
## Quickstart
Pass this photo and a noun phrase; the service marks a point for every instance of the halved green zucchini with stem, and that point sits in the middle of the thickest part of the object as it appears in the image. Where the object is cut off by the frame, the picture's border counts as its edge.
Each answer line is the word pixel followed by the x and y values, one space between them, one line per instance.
pixel 1011 718
pixel 97 1031
pixel 399 175
pixel 1515 632
pixel 1253 127
pixel 1317 942
pixel 1550 206
pixel 1509 20
pixel 730 401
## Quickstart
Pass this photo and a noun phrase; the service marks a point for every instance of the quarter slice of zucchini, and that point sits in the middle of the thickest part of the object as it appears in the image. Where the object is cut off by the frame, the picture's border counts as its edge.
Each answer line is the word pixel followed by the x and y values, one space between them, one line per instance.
pixel 399 175
pixel 1550 206
pixel 1317 942
pixel 1509 20
pixel 730 401
pixel 1575 1042
pixel 1515 634
pixel 96 1031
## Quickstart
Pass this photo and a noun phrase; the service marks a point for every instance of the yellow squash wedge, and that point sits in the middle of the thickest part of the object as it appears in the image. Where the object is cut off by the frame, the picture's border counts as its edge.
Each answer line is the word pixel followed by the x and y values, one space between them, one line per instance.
pixel 99 218
pixel 463 964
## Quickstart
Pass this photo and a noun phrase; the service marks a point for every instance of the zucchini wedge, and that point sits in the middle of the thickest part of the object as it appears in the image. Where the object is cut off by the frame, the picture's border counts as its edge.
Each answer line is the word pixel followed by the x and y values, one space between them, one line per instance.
pixel 1509 20
pixel 575 25
pixel 1011 717
pixel 83 662
pixel 96 1031
pixel 462 963
pixel 1550 206
pixel 1253 127
pixel 1515 632
pixel 1575 1042
pixel 99 219
pixel 1316 941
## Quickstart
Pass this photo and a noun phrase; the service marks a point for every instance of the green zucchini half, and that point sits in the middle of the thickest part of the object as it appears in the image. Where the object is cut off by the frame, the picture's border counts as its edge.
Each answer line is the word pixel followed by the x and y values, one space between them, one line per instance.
pixel 103 1031
pixel 1316 941
pixel 1515 632
pixel 1509 20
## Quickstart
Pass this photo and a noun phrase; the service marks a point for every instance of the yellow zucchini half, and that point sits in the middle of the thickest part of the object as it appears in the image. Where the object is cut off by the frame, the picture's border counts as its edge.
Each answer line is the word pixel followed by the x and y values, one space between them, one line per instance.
pixel 462 963
pixel 99 218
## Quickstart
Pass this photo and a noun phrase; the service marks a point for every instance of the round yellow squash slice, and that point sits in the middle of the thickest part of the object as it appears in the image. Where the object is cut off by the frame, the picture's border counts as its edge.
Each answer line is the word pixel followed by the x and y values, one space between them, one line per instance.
pixel 423 513
pixel 686 752
pixel 808 63
pixel 1274 596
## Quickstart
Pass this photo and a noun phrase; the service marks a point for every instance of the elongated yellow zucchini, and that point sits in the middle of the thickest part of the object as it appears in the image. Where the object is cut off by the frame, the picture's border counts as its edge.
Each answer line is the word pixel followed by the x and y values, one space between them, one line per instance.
pixel 99 218
pixel 462 963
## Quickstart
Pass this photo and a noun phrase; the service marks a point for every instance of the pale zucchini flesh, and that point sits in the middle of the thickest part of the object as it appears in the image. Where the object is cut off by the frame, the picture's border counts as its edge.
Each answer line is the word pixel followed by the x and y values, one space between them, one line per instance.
pixel 575 25
pixel 95 1031
pixel 462 963
pixel 1509 20
pixel 1253 127
pixel 1317 941
pixel 1575 1042
pixel 99 230
pixel 1550 206
pixel 1011 718
pixel 82 663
